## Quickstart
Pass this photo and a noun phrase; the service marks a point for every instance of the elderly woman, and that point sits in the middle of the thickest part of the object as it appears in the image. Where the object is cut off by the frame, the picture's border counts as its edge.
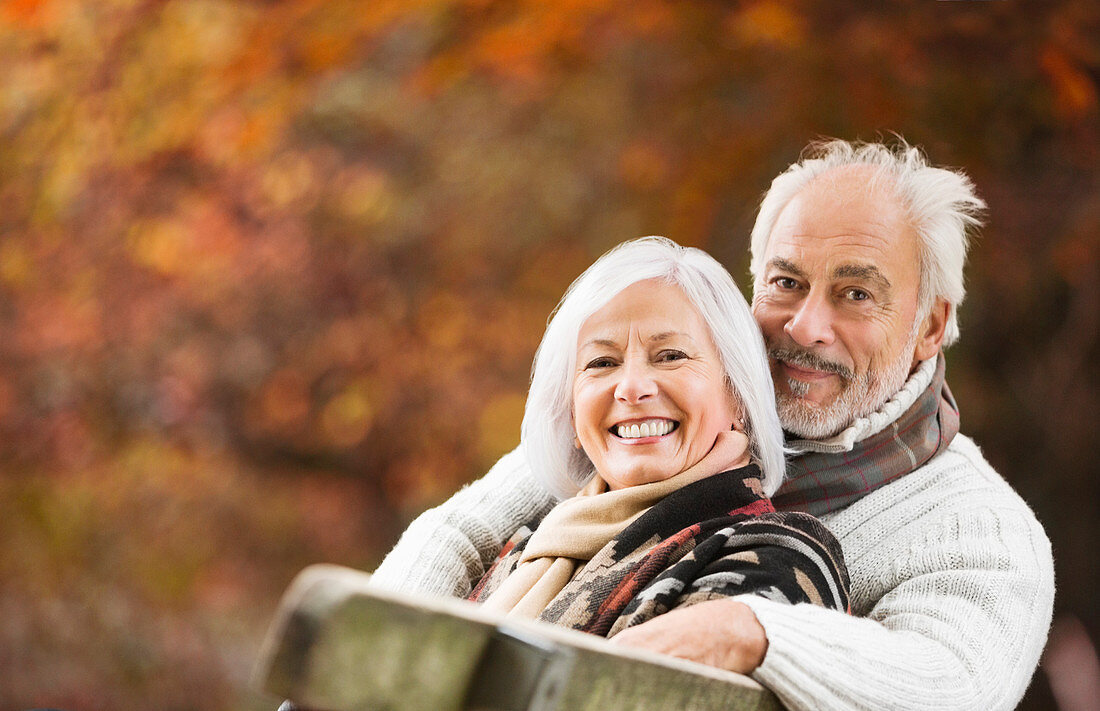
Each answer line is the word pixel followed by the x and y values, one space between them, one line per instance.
pixel 651 409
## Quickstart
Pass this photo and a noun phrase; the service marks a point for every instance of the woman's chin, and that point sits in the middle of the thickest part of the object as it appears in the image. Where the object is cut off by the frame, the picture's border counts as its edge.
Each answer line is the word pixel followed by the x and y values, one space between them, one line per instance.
pixel 635 477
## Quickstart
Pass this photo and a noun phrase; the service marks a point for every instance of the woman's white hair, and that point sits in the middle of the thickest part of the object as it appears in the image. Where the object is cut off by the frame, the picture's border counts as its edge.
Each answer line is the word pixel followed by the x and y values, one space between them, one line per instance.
pixel 548 433
pixel 940 204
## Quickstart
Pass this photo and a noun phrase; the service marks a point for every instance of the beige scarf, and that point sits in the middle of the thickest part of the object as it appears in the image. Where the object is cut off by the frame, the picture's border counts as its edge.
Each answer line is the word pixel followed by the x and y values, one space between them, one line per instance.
pixel 577 528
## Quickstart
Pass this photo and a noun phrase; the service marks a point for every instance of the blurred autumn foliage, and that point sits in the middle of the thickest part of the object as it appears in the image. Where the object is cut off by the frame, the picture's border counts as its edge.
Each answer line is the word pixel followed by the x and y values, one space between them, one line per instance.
pixel 272 272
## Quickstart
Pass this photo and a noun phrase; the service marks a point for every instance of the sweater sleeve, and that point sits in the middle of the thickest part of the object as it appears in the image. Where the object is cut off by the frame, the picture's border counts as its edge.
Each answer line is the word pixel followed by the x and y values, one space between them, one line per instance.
pixel 448 547
pixel 962 605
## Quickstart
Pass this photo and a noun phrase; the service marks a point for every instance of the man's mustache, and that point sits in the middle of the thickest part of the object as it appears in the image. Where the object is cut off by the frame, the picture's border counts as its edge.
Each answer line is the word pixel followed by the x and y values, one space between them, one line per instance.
pixel 806 359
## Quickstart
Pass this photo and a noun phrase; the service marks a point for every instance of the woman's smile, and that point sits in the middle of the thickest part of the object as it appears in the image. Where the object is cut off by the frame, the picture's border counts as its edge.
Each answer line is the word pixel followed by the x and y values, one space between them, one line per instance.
pixel 648 429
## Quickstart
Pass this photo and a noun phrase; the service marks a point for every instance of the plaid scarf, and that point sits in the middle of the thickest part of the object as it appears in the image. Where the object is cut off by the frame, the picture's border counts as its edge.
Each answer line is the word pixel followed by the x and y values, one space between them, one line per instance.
pixel 820 482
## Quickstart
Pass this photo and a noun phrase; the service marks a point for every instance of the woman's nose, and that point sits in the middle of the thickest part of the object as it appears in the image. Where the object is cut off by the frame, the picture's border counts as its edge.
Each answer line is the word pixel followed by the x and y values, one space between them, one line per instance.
pixel 636 383
pixel 811 323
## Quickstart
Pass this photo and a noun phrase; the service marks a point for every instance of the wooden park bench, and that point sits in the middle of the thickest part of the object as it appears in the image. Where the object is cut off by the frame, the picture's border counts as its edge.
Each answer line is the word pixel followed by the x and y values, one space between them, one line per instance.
pixel 339 645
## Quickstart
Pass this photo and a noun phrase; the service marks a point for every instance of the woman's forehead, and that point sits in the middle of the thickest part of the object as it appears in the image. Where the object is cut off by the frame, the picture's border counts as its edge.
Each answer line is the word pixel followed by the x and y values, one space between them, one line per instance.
pixel 653 309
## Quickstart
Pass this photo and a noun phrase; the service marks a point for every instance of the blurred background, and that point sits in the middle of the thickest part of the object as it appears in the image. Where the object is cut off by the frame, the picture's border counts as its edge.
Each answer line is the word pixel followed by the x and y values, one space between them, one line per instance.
pixel 272 273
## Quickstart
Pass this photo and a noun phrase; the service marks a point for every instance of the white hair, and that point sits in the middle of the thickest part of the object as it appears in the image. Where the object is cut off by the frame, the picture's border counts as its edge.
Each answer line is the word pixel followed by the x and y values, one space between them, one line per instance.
pixel 548 433
pixel 940 204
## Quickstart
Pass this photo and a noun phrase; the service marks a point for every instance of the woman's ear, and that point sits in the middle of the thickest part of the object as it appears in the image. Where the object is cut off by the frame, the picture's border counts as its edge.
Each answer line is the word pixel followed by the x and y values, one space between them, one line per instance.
pixel 738 413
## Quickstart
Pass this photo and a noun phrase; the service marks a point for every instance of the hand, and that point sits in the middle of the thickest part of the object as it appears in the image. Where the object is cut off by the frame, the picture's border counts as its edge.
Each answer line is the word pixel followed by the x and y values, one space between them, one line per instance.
pixel 719 633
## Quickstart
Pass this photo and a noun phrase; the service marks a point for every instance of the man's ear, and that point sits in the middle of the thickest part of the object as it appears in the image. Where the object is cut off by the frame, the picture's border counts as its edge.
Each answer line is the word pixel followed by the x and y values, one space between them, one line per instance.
pixel 930 336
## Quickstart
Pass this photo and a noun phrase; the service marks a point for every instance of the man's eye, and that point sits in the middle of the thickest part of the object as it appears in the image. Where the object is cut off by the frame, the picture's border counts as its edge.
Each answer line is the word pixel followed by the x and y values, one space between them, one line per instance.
pixel 856 295
pixel 601 362
pixel 785 282
pixel 670 354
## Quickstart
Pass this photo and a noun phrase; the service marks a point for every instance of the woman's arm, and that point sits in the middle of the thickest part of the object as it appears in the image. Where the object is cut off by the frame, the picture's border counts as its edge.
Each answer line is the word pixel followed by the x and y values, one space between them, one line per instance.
pixel 448 547
pixel 787 557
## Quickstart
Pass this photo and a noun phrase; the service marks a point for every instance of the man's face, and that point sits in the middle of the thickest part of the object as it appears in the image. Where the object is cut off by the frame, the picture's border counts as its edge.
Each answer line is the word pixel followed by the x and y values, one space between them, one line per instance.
pixel 837 303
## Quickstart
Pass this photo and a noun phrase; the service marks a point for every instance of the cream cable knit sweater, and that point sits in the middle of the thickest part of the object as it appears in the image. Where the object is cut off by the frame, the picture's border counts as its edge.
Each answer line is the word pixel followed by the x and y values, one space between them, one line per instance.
pixel 952 586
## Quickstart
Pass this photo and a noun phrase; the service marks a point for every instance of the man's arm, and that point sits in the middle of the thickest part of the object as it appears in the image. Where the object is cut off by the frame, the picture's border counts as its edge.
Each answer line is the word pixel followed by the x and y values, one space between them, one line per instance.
pixel 955 614
pixel 449 547
pixel 953 639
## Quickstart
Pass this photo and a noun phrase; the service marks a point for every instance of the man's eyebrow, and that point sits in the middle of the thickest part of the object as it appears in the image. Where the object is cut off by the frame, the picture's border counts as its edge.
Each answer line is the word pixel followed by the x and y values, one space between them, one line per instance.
pixel 786 265
pixel 866 272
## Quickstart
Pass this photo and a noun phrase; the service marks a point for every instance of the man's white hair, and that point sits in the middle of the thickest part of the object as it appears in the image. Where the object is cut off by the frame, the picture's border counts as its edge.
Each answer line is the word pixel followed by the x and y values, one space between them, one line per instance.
pixel 940 204
pixel 548 432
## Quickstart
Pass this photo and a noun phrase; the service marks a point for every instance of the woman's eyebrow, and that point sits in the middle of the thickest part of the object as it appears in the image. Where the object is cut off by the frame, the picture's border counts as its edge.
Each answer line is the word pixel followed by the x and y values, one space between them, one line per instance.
pixel 655 338
pixel 669 335
pixel 606 342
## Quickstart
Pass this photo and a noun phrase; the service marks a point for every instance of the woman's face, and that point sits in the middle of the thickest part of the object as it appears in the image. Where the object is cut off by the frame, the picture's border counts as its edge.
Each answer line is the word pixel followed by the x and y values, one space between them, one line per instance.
pixel 649 394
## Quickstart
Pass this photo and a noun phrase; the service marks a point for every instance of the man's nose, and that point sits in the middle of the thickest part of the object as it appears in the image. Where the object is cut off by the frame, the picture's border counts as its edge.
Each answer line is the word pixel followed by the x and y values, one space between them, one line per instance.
pixel 636 382
pixel 811 324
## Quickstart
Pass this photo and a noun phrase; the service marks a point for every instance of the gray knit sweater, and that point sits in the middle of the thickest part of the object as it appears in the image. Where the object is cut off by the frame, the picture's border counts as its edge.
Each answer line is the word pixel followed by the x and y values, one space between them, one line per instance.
pixel 952 584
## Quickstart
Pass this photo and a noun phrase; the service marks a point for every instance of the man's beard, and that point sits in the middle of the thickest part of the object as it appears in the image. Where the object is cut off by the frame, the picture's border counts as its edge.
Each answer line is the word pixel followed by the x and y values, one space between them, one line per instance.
pixel 860 395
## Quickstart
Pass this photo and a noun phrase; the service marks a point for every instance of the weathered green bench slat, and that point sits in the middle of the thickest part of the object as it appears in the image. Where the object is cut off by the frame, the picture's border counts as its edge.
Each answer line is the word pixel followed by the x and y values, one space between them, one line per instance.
pixel 337 644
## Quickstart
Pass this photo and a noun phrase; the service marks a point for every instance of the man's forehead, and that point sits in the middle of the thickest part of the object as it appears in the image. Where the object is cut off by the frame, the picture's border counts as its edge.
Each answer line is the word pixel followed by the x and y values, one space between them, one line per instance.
pixel 843 224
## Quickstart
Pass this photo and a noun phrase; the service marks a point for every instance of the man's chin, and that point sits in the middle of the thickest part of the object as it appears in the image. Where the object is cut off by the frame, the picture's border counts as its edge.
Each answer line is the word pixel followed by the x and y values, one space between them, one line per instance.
pixel 808 422
pixel 858 398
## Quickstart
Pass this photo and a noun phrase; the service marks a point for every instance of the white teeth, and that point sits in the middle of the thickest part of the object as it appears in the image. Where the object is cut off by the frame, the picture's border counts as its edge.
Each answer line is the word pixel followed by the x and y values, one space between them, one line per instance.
pixel 649 428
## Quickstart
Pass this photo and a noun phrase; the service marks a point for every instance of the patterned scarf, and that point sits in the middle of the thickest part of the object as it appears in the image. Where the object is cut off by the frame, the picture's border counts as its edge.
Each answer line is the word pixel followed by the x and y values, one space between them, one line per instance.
pixel 579 527
pixel 820 482
pixel 716 537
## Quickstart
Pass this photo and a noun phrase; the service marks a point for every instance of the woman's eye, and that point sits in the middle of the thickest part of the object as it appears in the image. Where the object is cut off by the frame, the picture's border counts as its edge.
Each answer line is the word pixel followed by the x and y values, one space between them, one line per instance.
pixel 671 354
pixel 601 362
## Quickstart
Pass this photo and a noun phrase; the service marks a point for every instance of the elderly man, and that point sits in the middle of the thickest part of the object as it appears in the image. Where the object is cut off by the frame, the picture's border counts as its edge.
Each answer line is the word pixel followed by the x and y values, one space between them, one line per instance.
pixel 857 255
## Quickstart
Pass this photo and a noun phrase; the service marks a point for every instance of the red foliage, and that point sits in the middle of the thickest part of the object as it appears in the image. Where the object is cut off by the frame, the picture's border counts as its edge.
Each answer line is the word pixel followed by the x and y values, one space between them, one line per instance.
pixel 272 273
